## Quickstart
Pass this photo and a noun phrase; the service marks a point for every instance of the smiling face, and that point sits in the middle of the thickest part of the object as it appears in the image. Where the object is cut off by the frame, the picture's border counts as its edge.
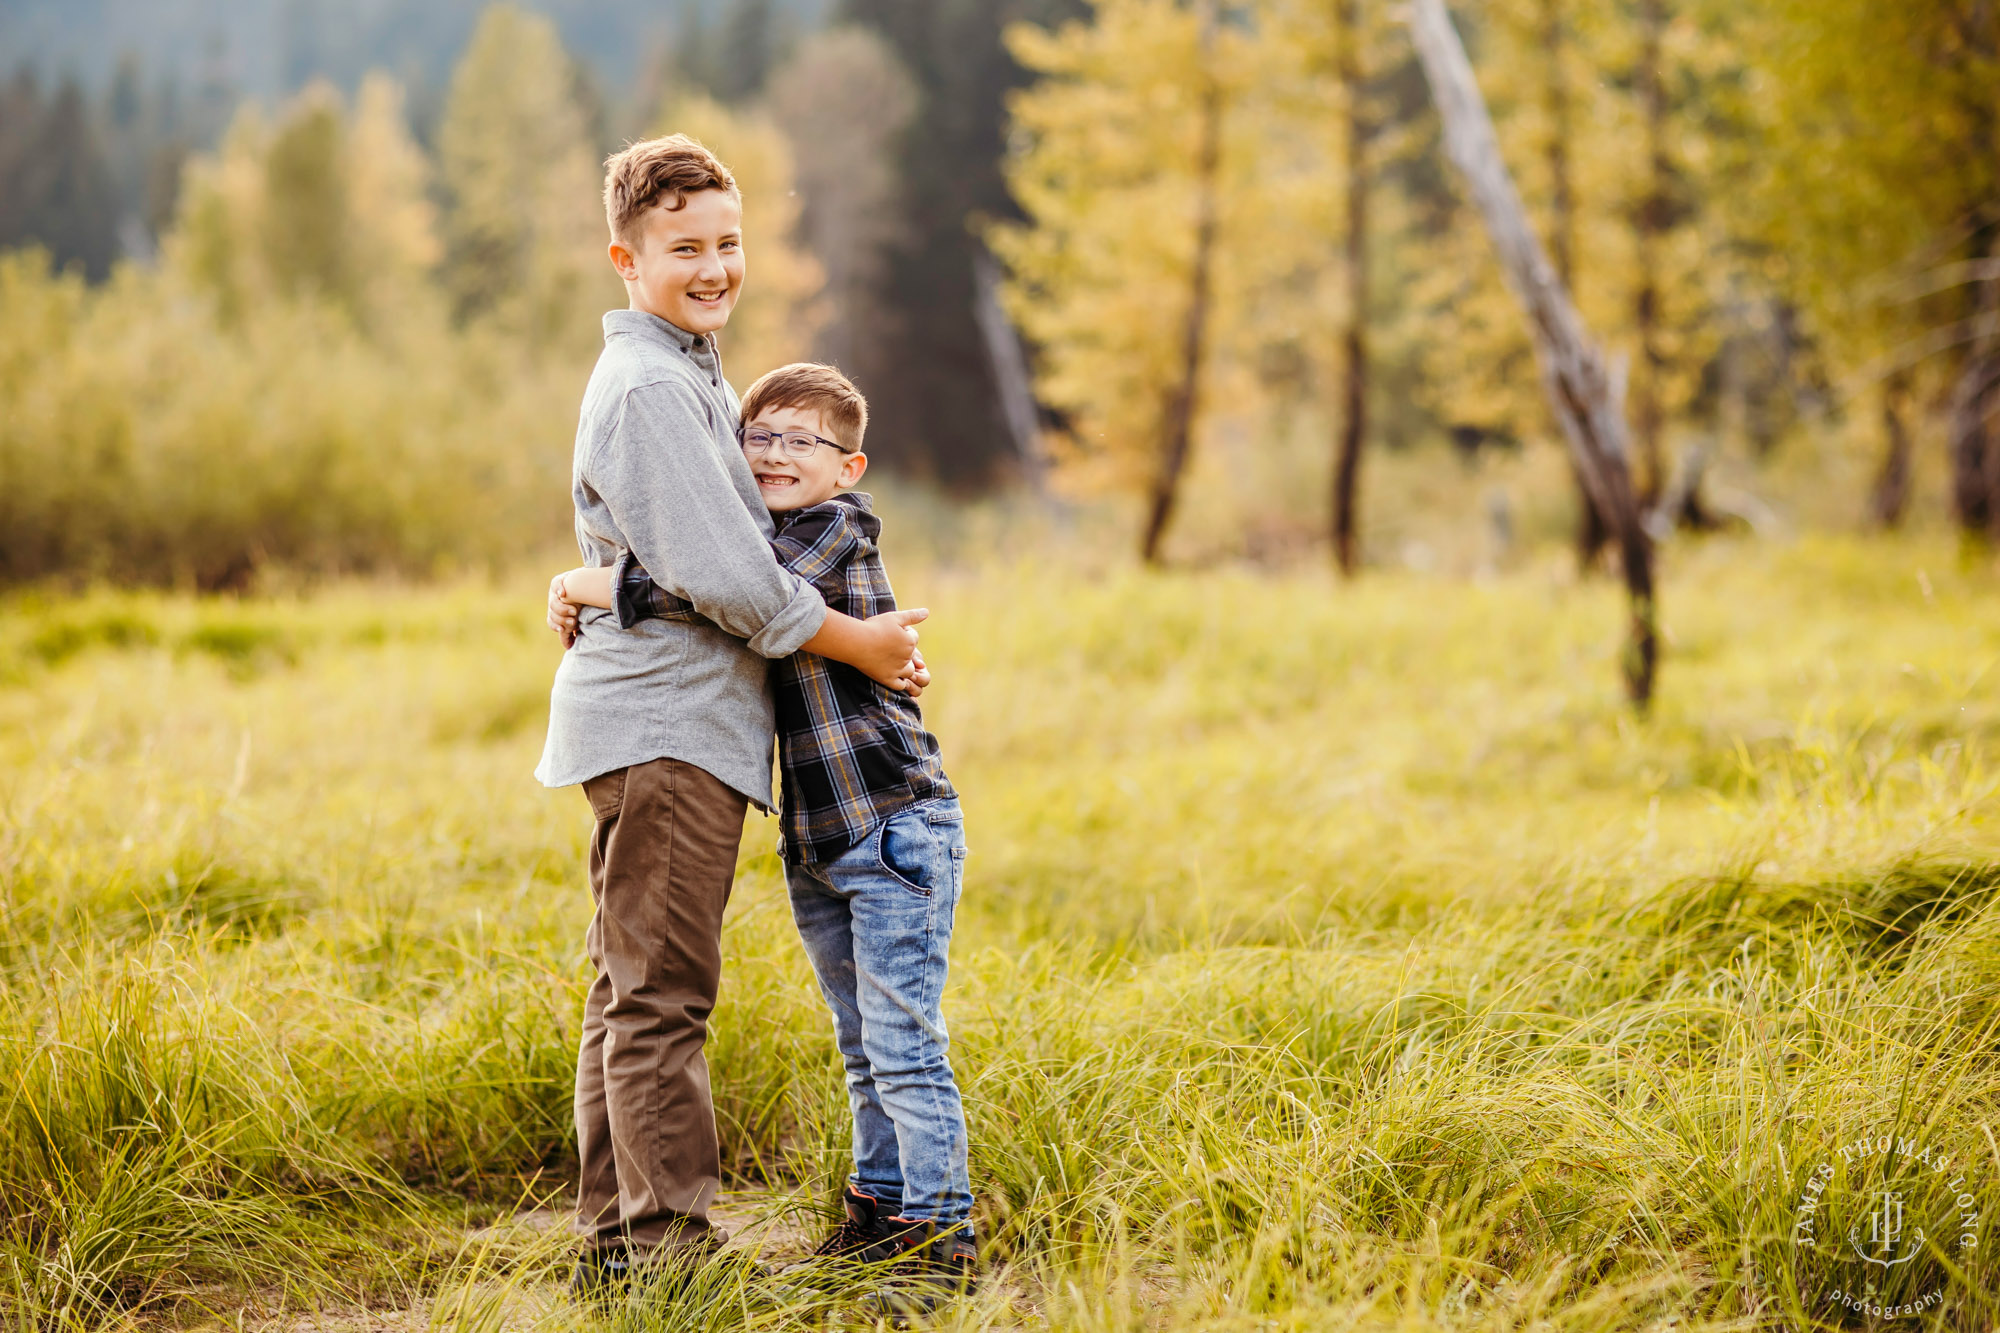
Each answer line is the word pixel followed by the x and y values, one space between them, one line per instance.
pixel 687 265
pixel 796 483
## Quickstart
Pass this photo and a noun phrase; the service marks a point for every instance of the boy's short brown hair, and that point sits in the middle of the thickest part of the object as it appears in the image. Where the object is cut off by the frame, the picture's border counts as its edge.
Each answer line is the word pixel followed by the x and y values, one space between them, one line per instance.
pixel 815 388
pixel 659 172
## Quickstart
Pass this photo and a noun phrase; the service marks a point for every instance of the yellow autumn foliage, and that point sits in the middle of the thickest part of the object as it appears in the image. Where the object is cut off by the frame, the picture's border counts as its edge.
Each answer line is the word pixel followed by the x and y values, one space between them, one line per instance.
pixel 781 308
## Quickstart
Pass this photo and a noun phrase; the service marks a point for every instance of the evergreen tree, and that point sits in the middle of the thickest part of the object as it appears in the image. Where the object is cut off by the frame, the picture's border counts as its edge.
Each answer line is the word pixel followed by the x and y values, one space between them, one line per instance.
pixel 1183 200
pixel 941 405
pixel 393 219
pixel 138 130
pixel 747 49
pixel 213 241
pixel 524 223
pixel 320 207
pixel 1114 169
pixel 729 55
pixel 20 118
pixel 303 223
pixel 54 188
pixel 1109 161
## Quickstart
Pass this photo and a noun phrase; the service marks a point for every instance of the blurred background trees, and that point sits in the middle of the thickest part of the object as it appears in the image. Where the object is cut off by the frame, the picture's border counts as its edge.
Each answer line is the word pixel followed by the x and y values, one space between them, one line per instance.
pixel 521 181
pixel 1878 204
pixel 844 102
pixel 1680 160
pixel 781 311
pixel 281 250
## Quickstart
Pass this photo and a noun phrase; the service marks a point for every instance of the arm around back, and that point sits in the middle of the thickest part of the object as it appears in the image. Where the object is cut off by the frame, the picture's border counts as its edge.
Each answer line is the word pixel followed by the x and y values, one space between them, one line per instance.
pixel 669 490
pixel 814 547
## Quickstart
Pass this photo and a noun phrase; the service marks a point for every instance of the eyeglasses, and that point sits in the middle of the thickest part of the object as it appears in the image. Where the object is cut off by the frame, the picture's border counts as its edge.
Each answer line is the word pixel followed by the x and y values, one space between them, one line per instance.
pixel 796 443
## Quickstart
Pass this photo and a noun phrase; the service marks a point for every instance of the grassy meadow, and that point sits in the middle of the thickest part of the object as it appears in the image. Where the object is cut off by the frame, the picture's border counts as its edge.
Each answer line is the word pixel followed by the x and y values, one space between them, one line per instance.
pixel 1332 956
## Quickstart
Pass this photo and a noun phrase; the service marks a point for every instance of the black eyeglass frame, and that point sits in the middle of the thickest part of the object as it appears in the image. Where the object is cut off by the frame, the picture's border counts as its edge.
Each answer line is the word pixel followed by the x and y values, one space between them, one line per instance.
pixel 784 437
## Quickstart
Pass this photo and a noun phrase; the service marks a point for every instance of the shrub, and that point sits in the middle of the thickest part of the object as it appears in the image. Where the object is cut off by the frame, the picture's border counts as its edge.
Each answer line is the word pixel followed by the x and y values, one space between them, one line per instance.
pixel 145 440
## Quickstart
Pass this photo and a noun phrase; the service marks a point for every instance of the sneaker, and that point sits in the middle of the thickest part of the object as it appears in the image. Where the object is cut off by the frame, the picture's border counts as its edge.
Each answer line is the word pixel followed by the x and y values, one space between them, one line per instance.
pixel 861 1233
pixel 601 1275
pixel 932 1265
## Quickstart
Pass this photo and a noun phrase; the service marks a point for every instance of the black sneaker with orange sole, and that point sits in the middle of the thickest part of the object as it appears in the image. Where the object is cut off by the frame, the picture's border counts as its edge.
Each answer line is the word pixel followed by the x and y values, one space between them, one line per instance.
pixel 929 1265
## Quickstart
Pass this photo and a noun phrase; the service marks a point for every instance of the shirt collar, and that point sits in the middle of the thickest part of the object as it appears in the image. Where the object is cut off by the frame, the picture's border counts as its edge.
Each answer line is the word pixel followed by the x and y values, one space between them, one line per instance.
pixel 860 502
pixel 641 324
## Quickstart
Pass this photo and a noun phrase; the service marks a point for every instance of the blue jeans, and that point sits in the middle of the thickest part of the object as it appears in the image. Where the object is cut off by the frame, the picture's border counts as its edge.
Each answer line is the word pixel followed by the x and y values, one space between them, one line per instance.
pixel 877 926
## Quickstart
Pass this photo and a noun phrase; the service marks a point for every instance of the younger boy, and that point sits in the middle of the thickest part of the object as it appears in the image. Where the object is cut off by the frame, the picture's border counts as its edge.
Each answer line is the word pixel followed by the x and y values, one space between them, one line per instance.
pixel 873 841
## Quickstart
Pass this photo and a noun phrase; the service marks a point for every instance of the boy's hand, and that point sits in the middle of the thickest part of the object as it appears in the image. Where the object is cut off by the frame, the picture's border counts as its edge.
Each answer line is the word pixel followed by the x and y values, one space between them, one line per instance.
pixel 589 585
pixel 562 612
pixel 891 656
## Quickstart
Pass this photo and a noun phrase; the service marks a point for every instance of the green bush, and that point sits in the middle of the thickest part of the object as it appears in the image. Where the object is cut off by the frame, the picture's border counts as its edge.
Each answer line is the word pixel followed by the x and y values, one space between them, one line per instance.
pixel 143 439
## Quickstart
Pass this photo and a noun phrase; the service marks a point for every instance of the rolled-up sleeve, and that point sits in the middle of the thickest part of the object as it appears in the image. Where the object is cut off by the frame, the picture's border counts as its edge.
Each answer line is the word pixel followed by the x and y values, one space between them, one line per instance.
pixel 670 494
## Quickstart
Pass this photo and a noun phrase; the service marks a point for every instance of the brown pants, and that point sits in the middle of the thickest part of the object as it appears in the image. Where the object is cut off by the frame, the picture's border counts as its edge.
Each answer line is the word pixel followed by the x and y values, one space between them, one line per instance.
pixel 661 863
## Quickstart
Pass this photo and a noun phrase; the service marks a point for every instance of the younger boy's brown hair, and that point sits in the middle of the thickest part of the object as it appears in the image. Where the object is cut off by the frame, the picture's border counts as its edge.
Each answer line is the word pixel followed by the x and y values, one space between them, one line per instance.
pixel 813 388
pixel 659 172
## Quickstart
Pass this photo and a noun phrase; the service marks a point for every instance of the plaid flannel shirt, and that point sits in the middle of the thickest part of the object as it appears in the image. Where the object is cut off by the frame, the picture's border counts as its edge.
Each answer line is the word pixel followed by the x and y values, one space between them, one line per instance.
pixel 850 752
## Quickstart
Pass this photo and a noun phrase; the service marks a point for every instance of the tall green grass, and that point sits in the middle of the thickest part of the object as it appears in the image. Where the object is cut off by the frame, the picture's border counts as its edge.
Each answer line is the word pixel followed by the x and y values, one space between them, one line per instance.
pixel 1332 956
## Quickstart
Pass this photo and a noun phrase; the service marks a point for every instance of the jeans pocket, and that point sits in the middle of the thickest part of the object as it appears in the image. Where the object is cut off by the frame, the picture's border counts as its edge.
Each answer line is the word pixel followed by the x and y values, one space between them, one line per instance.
pixel 907 851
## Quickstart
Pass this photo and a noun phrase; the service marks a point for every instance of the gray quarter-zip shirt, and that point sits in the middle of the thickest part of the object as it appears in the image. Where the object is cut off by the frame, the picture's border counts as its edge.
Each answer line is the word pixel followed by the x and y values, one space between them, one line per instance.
pixel 658 472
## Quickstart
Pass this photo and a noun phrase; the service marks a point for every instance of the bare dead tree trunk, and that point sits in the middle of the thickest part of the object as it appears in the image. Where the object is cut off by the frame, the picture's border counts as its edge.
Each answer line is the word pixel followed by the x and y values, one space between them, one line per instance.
pixel 1680 504
pixel 1179 414
pixel 1591 532
pixel 1585 395
pixel 1011 380
pixel 1975 453
pixel 1649 221
pixel 1991 425
pixel 1354 342
pixel 1891 493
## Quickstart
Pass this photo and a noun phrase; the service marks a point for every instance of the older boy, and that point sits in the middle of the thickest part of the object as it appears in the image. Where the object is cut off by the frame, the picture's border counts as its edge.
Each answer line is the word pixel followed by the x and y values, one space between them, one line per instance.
pixel 874 841
pixel 669 725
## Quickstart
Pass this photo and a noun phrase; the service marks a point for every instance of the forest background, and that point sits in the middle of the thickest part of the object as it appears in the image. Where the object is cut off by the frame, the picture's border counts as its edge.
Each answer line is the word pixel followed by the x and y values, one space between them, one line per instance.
pixel 1336 951
pixel 311 287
